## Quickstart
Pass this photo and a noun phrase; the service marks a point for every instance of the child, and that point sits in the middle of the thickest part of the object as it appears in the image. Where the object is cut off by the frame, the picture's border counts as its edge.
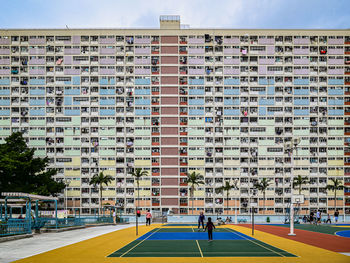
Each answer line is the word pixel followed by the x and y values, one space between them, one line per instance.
pixel 210 226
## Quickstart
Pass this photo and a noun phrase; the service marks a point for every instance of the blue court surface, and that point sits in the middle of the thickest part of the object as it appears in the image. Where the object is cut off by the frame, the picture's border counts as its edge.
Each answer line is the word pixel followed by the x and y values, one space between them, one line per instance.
pixel 344 233
pixel 194 236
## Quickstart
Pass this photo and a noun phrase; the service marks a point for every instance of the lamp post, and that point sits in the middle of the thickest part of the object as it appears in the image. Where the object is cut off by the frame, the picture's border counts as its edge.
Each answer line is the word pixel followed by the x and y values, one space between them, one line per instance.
pixel 292 146
pixel 137 207
pixel 252 205
pixel 235 210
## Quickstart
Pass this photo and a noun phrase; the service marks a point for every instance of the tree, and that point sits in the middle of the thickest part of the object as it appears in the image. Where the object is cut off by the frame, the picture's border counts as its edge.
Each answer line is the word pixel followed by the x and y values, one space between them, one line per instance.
pixel 20 171
pixel 299 181
pixel 100 179
pixel 194 179
pixel 138 173
pixel 262 186
pixel 337 185
pixel 227 187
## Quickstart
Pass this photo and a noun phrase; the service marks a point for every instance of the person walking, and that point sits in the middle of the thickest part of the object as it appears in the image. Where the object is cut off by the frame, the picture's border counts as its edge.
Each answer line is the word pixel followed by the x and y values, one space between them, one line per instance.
pixel 148 218
pixel 311 217
pixel 210 226
pixel 114 217
pixel 201 219
pixel 318 217
pixel 329 219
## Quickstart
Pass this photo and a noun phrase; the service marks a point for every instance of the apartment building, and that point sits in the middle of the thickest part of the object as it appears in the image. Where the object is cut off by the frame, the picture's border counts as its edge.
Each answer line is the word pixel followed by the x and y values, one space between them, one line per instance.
pixel 221 102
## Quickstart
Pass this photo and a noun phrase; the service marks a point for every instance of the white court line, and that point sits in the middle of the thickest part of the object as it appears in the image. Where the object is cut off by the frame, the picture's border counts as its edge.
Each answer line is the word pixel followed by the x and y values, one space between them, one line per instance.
pixel 138 243
pixel 237 233
pixel 199 248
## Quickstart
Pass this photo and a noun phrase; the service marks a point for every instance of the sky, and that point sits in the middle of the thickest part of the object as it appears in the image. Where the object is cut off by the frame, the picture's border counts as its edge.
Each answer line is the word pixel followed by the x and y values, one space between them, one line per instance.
pixel 284 14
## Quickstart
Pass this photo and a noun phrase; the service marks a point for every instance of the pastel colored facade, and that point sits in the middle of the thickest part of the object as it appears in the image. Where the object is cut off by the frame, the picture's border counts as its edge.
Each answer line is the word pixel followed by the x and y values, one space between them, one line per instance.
pixel 219 102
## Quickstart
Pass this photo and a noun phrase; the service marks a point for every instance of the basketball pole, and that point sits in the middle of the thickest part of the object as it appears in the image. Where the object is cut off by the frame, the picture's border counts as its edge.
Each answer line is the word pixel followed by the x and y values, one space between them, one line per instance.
pixel 295 143
pixel 252 220
pixel 291 220
pixel 291 212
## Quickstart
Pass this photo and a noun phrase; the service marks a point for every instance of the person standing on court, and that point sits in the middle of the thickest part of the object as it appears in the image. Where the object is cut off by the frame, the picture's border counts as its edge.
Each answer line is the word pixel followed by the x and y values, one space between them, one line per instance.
pixel 336 214
pixel 201 219
pixel 210 226
pixel 148 218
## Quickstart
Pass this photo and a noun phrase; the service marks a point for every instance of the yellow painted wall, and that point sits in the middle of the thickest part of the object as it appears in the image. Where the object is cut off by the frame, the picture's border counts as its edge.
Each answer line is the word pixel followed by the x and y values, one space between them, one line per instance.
pixel 199 193
pixel 75 162
pixel 72 172
pixel 142 162
pixel 335 173
pixel 108 193
pixel 336 162
pixel 196 162
pixel 73 193
pixel 107 162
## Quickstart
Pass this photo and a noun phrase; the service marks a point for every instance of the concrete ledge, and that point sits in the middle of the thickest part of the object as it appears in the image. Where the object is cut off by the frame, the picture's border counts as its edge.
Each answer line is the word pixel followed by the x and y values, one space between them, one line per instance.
pixel 54 230
pixel 15 237
pixel 104 224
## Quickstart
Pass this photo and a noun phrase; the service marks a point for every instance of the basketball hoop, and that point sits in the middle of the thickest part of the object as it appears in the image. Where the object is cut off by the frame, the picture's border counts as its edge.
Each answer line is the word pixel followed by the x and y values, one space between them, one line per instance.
pixel 298 199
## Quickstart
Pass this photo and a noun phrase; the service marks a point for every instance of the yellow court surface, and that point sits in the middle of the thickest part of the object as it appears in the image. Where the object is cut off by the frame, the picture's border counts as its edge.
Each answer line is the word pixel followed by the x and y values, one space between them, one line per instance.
pixel 100 249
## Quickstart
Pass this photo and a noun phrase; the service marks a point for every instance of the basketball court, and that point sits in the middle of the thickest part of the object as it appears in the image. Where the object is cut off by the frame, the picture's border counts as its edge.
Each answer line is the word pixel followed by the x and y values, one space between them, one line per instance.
pixel 173 244
pixel 188 242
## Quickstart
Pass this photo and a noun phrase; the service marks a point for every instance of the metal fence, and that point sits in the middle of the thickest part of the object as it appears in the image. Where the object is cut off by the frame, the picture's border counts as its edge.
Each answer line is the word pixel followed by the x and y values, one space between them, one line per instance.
pixel 60 223
pixel 15 227
pixel 23 226
pixel 97 219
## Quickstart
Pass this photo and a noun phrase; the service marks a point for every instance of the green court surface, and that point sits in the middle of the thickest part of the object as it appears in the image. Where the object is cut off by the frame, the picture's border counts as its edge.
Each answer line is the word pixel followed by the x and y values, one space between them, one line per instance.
pixel 184 224
pixel 324 229
pixel 188 242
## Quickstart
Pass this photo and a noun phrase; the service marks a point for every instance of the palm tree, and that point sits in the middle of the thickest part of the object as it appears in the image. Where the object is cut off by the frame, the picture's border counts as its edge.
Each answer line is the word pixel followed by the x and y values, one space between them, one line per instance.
pixel 100 179
pixel 337 185
pixel 194 179
pixel 262 186
pixel 299 182
pixel 227 187
pixel 138 173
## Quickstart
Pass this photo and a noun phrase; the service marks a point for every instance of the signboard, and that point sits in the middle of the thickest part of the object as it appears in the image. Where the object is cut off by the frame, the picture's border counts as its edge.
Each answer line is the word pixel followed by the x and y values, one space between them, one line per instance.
pixel 62 213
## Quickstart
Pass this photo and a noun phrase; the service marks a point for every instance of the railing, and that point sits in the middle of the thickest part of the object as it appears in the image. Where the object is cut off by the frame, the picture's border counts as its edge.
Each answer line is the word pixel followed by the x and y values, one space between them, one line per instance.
pixel 15 227
pixel 23 226
pixel 96 219
pixel 61 222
